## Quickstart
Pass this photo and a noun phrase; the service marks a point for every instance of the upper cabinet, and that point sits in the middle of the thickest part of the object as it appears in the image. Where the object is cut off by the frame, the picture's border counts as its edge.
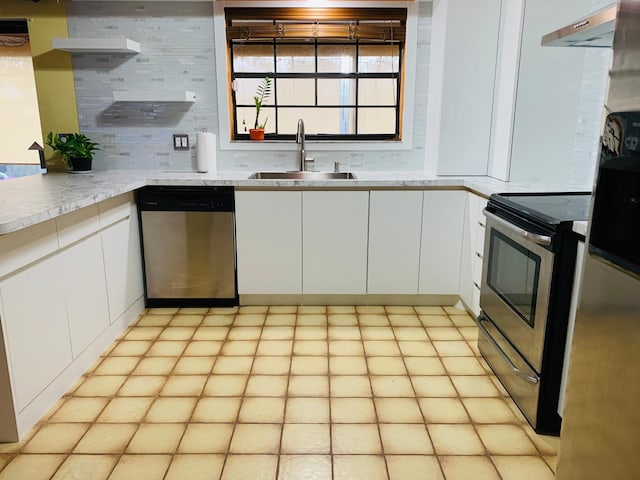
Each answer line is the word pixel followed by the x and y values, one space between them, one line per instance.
pixel 501 104
pixel 461 83
pixel 546 97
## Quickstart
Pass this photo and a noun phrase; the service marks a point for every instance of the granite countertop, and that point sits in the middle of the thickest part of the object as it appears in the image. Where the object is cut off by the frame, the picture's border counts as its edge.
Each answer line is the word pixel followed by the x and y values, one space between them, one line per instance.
pixel 30 200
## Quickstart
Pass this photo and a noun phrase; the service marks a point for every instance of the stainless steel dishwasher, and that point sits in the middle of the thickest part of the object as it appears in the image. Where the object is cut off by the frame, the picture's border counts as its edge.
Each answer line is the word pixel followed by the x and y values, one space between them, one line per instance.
pixel 188 246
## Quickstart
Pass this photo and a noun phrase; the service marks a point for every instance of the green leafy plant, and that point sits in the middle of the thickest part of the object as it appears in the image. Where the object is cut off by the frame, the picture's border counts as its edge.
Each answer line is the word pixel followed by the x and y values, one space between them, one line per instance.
pixel 262 93
pixel 73 145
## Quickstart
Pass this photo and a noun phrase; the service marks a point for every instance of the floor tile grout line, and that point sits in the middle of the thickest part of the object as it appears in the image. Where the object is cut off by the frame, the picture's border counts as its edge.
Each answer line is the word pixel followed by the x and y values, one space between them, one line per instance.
pixel 415 393
pixel 286 397
pixel 235 423
pixel 375 408
pixel 198 397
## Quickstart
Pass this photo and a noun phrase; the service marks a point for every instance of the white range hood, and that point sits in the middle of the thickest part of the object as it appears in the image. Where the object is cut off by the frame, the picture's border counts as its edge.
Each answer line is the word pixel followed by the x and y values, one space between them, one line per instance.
pixel 595 30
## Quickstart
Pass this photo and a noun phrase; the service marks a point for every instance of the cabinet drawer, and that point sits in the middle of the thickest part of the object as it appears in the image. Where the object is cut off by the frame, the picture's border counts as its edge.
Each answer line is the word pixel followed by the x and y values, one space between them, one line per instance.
pixel 479 233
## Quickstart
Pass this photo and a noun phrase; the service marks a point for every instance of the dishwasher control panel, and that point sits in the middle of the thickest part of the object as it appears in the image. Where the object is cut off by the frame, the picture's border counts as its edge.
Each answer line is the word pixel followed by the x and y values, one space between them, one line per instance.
pixel 189 199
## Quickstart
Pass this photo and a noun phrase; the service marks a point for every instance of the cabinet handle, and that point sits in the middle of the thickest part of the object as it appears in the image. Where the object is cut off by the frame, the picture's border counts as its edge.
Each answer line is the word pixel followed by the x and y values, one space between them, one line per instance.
pixel 476 285
pixel 479 255
pixel 532 237
pixel 481 224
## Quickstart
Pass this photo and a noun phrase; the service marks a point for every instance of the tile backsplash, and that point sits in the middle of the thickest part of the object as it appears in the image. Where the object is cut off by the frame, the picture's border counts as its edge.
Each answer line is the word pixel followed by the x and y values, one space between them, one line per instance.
pixel 178 53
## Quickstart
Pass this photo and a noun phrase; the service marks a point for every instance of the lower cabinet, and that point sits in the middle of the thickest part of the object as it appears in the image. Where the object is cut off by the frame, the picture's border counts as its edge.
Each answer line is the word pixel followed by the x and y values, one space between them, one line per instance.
pixel 441 246
pixel 350 242
pixel 472 252
pixel 85 291
pixel 34 314
pixel 395 226
pixel 269 242
pixel 334 242
pixel 57 306
pixel 122 264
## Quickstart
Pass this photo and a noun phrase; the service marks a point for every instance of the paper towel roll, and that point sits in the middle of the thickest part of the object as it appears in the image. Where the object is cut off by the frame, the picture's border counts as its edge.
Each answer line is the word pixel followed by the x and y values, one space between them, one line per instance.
pixel 206 152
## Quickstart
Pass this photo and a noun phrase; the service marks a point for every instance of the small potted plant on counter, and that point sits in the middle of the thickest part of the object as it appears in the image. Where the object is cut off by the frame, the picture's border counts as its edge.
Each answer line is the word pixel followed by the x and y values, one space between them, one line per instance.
pixel 262 93
pixel 75 148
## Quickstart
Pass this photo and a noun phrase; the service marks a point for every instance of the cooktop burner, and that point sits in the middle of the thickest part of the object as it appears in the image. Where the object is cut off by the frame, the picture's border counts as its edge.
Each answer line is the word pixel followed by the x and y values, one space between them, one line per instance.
pixel 548 208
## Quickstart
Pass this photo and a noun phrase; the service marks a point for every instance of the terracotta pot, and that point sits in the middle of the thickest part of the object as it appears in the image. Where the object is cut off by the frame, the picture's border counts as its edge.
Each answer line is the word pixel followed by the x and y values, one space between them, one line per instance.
pixel 256 133
pixel 80 164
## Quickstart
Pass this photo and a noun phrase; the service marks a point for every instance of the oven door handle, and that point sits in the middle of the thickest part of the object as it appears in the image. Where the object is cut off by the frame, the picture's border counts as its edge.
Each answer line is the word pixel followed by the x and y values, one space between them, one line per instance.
pixel 505 357
pixel 532 237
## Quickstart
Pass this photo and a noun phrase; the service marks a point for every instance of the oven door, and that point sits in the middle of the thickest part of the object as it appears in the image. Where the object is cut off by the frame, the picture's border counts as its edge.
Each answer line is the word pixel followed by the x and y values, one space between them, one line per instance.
pixel 516 282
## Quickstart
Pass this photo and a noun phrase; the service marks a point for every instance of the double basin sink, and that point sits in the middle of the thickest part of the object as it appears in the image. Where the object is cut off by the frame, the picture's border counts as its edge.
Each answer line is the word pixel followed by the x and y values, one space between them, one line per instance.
pixel 302 175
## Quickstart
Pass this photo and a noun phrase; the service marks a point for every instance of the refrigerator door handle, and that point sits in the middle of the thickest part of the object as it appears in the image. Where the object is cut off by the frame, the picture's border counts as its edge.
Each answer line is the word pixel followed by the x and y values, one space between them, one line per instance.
pixel 532 237
pixel 505 357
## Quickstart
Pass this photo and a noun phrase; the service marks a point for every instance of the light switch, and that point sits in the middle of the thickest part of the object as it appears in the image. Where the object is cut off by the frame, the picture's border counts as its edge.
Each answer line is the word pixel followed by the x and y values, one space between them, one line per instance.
pixel 180 141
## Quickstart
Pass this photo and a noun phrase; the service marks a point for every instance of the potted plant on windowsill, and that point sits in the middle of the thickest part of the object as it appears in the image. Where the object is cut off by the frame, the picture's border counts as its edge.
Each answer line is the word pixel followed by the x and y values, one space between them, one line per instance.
pixel 262 93
pixel 75 148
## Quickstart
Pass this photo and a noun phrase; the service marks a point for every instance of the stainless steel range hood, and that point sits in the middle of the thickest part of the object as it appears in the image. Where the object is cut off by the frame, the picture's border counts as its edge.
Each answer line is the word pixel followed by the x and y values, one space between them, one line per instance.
pixel 595 30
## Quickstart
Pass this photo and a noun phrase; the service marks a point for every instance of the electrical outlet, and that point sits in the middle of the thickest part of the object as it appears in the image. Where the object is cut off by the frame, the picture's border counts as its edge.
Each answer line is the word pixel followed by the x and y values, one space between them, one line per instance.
pixel 180 141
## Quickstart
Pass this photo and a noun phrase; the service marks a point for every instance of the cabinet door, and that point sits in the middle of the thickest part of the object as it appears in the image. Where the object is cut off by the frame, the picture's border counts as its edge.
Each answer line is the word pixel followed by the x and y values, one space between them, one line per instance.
pixel 334 239
pixel 35 319
pixel 442 228
pixel 269 242
pixel 85 291
pixel 123 264
pixel 395 223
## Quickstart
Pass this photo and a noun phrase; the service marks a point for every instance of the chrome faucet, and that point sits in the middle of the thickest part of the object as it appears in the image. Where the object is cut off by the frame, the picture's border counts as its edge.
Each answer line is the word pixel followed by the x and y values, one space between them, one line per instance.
pixel 300 140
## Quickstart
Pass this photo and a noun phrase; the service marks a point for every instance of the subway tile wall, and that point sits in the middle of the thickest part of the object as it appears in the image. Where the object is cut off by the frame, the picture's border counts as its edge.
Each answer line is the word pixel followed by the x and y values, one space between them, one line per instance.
pixel 178 53
pixel 591 110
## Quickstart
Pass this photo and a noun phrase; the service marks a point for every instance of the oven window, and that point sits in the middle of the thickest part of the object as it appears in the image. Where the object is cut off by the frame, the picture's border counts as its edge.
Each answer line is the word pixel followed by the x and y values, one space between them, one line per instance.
pixel 513 273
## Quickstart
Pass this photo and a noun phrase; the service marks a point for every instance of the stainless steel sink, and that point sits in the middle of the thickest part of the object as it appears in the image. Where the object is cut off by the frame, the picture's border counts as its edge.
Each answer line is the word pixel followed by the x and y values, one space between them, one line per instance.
pixel 303 176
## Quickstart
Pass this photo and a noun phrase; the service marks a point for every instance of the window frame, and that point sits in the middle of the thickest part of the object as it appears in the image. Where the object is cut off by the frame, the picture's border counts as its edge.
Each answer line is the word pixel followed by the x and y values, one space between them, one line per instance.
pixel 225 106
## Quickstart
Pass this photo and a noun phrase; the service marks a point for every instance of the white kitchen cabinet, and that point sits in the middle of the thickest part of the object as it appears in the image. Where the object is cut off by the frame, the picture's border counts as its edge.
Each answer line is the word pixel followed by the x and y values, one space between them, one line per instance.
pixel 83 278
pixel 123 264
pixel 442 228
pixel 461 85
pixel 269 242
pixel 334 242
pixel 472 252
pixel 538 90
pixel 395 226
pixel 34 321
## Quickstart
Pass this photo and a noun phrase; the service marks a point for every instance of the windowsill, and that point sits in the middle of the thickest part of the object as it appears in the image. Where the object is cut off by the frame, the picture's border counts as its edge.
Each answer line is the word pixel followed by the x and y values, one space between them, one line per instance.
pixel 328 146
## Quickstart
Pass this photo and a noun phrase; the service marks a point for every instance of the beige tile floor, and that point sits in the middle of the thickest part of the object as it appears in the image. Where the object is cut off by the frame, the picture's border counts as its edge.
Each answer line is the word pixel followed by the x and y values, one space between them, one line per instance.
pixel 259 393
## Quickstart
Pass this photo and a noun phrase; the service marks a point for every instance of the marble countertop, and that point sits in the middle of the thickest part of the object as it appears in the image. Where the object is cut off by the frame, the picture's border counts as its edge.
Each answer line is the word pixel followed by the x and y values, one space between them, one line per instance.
pixel 30 200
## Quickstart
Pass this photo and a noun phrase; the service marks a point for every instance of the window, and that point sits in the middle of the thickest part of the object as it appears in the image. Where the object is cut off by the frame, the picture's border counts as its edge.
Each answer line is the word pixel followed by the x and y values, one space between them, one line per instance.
pixel 340 69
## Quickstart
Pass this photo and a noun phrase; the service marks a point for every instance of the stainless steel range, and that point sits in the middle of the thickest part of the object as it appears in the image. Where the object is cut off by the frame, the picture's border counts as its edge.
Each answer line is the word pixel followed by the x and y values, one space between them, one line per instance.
pixel 530 252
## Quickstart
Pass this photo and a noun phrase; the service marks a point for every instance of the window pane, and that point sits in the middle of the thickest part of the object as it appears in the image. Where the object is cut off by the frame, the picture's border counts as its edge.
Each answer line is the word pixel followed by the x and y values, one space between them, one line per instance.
pixel 378 58
pixel 336 58
pixel 376 120
pixel 317 120
pixel 248 116
pixel 337 91
pixel 377 91
pixel 295 58
pixel 253 58
pixel 246 90
pixel 296 91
